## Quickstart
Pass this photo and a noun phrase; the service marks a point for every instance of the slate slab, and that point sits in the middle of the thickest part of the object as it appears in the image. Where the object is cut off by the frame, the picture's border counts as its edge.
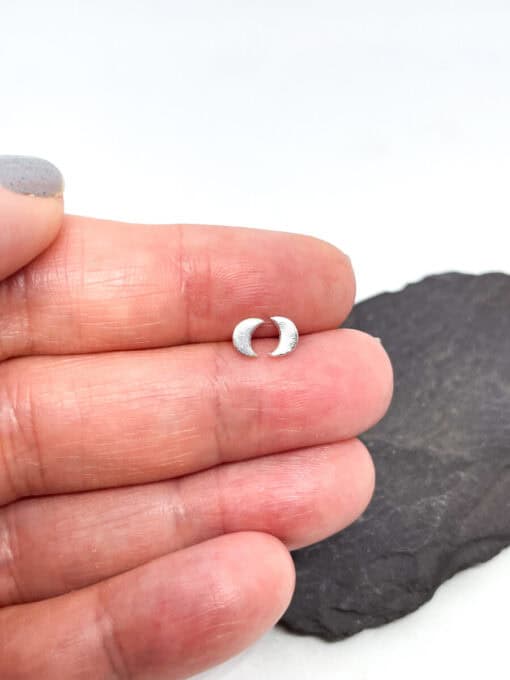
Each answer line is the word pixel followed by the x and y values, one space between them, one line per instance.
pixel 442 455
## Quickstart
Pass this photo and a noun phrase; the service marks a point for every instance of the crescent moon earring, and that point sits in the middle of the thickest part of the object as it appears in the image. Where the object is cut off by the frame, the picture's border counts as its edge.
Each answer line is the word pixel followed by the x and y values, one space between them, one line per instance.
pixel 243 332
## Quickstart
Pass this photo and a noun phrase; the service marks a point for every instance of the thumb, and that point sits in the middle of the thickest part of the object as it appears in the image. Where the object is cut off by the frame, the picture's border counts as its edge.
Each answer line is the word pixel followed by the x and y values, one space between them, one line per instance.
pixel 31 209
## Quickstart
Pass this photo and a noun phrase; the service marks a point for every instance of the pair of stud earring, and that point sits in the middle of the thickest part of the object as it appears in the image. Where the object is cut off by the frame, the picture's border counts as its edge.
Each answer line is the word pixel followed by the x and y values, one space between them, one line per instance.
pixel 243 332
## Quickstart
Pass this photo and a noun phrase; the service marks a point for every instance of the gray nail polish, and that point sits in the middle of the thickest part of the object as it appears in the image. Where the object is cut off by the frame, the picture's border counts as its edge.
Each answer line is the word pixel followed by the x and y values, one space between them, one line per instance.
pixel 30 176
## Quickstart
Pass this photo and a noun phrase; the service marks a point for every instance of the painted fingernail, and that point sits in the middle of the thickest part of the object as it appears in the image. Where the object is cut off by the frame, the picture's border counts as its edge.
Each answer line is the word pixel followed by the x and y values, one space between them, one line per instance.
pixel 30 176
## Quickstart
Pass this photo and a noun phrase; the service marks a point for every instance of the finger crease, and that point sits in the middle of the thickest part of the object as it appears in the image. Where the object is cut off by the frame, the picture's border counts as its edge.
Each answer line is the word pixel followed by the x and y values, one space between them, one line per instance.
pixel 221 511
pixel 8 552
pixel 218 390
pixel 182 266
pixel 10 430
pixel 36 447
pixel 113 652
pixel 28 335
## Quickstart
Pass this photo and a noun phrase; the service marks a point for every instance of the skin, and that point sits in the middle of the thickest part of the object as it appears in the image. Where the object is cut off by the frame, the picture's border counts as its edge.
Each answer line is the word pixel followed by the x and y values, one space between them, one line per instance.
pixel 152 479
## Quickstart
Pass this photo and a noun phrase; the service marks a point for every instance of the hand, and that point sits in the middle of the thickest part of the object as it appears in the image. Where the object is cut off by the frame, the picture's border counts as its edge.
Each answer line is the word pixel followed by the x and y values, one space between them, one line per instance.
pixel 152 479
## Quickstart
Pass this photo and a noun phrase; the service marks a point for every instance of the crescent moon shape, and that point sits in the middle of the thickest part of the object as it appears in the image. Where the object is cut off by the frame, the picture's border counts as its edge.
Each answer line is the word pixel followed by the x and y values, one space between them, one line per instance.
pixel 288 335
pixel 241 337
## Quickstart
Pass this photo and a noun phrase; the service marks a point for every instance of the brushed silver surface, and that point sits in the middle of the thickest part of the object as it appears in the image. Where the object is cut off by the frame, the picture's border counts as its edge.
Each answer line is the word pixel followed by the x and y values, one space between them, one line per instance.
pixel 243 332
pixel 289 336
pixel 241 337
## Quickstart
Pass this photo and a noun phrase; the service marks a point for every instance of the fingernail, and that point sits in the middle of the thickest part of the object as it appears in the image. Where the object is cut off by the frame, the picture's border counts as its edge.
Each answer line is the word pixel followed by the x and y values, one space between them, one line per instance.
pixel 30 176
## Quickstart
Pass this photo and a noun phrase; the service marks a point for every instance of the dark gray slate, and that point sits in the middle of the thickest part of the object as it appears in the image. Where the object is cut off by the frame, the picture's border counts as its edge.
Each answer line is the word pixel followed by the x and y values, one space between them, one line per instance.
pixel 442 456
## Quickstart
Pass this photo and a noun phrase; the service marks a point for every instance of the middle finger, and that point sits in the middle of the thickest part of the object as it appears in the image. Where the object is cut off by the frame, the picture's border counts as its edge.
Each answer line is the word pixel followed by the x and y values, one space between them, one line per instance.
pixel 94 421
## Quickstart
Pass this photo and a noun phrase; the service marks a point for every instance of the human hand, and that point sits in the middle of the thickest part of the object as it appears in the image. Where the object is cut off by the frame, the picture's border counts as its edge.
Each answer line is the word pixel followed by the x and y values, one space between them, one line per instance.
pixel 152 479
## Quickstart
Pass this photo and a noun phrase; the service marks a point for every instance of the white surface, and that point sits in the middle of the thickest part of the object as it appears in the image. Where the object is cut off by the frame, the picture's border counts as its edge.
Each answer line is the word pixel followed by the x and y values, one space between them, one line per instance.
pixel 380 126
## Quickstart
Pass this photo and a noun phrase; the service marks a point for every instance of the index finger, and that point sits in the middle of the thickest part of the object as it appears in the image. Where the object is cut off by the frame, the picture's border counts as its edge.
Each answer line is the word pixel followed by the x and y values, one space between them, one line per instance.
pixel 106 286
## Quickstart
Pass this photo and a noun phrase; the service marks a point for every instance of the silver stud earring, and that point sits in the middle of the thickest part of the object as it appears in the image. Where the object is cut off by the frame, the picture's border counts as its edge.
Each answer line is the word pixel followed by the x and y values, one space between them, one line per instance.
pixel 241 337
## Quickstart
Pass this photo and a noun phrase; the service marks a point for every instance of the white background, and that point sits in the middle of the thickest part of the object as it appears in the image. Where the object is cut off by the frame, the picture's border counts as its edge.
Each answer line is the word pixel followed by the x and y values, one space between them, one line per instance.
pixel 383 127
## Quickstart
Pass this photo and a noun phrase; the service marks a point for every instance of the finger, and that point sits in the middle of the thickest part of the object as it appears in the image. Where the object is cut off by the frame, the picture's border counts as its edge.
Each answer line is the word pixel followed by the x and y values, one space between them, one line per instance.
pixel 73 424
pixel 300 497
pixel 169 619
pixel 30 210
pixel 104 286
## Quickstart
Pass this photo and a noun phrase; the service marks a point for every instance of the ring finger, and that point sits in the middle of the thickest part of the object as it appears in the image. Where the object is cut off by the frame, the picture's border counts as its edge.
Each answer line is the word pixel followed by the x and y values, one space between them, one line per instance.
pixel 306 495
